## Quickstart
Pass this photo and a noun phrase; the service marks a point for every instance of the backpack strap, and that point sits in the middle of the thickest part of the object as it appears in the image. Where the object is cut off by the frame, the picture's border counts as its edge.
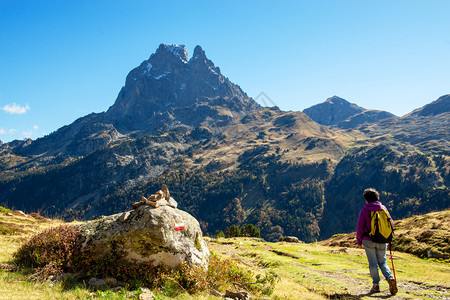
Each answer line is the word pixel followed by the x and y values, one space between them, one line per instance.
pixel 366 233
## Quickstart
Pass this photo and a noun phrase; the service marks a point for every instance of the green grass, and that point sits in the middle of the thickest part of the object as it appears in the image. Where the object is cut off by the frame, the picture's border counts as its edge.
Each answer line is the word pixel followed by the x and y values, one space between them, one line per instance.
pixel 327 272
pixel 319 272
pixel 5 210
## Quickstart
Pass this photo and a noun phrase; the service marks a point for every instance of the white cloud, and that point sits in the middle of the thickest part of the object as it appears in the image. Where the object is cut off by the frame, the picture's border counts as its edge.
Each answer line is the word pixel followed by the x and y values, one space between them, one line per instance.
pixel 9 131
pixel 35 127
pixel 15 109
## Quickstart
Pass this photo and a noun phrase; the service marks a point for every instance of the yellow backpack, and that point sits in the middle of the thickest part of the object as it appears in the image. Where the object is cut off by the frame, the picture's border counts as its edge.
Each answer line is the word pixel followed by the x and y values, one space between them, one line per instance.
pixel 381 227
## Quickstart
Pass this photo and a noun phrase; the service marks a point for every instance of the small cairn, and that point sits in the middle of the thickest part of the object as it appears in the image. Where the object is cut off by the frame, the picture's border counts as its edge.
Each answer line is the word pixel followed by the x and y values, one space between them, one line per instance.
pixel 160 198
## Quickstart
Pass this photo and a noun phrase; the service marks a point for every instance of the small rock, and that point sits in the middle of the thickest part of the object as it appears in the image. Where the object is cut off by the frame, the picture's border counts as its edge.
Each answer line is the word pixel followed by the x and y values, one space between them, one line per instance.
pixel 290 239
pixel 342 250
pixel 137 204
pixel 63 276
pixel 117 289
pixel 166 192
pixel 435 254
pixel 215 293
pixel 157 203
pixel 9 214
pixel 124 217
pixel 172 202
pixel 437 226
pixel 19 213
pixel 110 281
pixel 146 296
pixel 145 290
pixel 96 283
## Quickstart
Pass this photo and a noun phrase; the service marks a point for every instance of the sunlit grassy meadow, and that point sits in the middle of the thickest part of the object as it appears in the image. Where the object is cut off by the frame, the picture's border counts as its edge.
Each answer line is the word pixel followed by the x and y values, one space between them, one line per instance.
pixel 306 271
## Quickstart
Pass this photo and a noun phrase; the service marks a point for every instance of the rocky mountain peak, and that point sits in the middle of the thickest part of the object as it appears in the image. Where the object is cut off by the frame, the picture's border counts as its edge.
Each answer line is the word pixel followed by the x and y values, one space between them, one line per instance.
pixel 333 111
pixel 168 88
pixel 335 100
pixel 198 52
pixel 200 62
pixel 176 51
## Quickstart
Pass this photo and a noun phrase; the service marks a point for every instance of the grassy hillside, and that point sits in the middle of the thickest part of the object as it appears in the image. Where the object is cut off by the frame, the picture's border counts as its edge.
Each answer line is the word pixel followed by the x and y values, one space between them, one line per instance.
pixel 307 271
pixel 427 236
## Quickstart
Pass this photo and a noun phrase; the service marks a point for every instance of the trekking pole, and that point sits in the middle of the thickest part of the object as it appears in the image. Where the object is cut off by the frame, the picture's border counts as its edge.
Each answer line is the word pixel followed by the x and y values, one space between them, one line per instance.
pixel 393 269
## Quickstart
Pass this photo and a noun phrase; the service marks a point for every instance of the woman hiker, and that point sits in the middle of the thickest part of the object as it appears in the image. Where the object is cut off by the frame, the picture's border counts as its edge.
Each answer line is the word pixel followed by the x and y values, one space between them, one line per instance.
pixel 376 252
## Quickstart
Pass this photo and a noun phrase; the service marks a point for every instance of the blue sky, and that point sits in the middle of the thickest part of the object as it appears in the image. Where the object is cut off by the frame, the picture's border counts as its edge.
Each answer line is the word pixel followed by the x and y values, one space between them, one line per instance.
pixel 61 60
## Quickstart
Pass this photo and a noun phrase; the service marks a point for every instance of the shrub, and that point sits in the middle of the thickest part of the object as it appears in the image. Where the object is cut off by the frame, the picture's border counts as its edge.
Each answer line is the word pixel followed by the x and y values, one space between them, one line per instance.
pixel 219 234
pixel 4 210
pixel 53 246
pixel 232 231
pixel 250 230
pixel 223 271
pixel 56 250
pixel 220 274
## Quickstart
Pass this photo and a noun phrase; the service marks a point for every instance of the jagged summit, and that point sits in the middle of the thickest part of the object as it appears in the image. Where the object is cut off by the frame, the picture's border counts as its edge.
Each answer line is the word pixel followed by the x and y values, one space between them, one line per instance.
pixel 198 52
pixel 177 50
pixel 168 86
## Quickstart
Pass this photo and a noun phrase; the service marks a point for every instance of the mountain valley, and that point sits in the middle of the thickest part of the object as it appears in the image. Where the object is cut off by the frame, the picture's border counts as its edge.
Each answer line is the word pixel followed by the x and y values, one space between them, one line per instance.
pixel 228 160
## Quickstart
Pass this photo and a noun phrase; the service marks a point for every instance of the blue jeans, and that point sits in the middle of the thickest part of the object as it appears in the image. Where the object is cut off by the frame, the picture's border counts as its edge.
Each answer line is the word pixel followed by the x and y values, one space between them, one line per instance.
pixel 376 255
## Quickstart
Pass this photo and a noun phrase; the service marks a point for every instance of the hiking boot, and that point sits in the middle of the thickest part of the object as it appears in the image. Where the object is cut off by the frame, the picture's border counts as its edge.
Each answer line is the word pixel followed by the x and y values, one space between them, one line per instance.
pixel 392 286
pixel 375 288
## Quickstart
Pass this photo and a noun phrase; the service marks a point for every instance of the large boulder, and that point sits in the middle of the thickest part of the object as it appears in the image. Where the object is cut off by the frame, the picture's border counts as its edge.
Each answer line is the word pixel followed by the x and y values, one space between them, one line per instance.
pixel 162 235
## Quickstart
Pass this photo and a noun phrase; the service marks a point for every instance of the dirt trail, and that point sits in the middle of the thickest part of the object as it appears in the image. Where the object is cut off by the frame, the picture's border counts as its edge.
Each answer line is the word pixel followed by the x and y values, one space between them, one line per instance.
pixel 358 289
pixel 354 282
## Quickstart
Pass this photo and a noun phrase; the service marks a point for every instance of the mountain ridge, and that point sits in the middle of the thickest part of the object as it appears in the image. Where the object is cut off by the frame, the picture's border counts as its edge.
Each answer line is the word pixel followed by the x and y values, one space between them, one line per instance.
pixel 226 156
pixel 338 112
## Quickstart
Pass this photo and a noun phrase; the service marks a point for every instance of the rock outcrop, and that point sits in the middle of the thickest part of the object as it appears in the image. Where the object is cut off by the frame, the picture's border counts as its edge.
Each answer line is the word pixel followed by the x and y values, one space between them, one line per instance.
pixel 162 235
